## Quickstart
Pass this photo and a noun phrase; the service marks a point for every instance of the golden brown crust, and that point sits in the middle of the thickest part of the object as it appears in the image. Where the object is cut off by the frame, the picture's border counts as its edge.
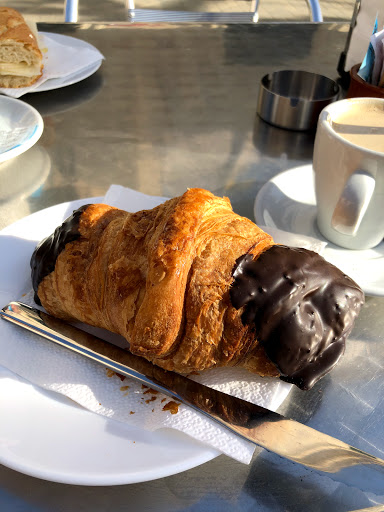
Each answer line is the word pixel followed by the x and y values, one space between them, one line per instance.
pixel 14 29
pixel 161 278
pixel 13 26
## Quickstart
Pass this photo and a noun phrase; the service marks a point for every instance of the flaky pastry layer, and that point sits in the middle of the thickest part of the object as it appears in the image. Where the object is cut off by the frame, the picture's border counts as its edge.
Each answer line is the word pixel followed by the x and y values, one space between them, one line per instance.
pixel 161 279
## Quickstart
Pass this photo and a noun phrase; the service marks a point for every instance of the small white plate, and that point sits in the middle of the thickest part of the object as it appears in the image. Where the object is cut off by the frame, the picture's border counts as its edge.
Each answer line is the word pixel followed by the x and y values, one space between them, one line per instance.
pixel 77 76
pixel 67 60
pixel 57 83
pixel 21 127
pixel 288 202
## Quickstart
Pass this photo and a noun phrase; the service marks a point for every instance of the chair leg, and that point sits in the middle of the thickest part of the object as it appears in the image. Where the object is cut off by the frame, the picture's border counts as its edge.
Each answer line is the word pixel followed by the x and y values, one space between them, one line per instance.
pixel 313 5
pixel 71 10
pixel 315 9
pixel 130 6
pixel 255 10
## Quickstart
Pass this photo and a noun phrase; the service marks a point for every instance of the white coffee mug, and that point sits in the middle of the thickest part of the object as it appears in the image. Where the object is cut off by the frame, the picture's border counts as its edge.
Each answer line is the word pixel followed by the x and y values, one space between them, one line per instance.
pixel 348 163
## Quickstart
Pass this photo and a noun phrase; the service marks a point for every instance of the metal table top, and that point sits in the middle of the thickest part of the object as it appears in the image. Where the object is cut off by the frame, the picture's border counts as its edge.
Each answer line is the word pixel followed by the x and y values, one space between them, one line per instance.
pixel 174 106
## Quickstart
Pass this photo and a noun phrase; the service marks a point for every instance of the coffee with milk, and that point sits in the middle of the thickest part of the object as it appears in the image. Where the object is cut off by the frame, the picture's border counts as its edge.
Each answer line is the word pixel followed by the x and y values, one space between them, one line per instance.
pixel 362 125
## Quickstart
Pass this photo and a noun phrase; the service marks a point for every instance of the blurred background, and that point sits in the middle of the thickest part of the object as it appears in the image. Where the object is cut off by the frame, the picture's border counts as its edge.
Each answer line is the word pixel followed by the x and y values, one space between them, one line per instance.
pixel 118 10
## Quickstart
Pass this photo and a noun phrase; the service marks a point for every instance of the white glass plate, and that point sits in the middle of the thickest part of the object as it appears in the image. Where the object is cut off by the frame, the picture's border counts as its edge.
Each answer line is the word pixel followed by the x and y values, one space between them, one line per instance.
pixel 21 127
pixel 288 202
pixel 50 437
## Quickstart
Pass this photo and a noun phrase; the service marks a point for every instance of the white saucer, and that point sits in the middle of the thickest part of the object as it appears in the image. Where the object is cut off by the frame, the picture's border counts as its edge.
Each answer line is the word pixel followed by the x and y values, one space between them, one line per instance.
pixel 21 127
pixel 288 202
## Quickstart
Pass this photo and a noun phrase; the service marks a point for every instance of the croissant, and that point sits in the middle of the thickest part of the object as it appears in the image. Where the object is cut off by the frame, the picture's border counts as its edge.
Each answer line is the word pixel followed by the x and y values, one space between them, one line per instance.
pixel 192 285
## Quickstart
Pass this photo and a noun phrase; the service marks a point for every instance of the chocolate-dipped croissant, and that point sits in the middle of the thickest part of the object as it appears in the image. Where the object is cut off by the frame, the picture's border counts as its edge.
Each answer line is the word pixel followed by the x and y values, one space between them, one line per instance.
pixel 191 285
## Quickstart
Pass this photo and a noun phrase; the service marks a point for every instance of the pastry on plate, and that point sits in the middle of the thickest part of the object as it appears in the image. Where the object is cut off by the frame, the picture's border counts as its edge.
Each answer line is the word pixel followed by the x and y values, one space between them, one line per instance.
pixel 192 285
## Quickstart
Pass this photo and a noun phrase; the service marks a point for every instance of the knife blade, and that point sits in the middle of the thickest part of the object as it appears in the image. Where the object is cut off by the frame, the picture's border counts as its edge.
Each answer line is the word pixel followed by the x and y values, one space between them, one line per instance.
pixel 270 430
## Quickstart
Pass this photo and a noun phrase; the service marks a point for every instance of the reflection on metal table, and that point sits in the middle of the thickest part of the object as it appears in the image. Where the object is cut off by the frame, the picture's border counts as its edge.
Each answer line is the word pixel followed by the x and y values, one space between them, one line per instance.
pixel 171 107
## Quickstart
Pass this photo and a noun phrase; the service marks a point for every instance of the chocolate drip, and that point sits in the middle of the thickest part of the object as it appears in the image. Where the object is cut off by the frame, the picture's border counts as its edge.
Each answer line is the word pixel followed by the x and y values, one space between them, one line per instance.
pixel 303 308
pixel 44 257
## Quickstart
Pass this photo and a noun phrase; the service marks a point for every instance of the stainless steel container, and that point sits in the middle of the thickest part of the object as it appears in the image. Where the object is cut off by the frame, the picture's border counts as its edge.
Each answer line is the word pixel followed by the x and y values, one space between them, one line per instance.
pixel 294 99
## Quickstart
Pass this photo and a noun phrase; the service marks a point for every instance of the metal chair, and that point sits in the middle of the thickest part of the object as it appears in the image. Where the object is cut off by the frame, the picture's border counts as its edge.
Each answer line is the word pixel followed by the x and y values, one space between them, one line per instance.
pixel 252 15
pixel 315 9
pixel 72 7
pixel 71 11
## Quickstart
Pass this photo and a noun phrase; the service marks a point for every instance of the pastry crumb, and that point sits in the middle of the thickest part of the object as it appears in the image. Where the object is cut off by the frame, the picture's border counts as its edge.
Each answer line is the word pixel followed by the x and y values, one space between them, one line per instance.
pixel 152 391
pixel 111 373
pixel 172 407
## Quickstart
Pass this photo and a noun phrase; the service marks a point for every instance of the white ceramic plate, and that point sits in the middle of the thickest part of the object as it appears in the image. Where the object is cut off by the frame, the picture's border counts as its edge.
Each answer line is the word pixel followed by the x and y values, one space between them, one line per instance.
pixel 288 202
pixel 74 58
pixel 56 83
pixel 21 127
pixel 45 435
pixel 50 437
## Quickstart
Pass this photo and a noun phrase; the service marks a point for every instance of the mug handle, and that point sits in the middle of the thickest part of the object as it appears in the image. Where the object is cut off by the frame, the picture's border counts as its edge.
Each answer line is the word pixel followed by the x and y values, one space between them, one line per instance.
pixel 353 203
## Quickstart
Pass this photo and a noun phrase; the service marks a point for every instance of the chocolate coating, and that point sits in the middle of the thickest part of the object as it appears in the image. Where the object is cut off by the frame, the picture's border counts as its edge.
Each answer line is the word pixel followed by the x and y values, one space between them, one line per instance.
pixel 44 257
pixel 303 308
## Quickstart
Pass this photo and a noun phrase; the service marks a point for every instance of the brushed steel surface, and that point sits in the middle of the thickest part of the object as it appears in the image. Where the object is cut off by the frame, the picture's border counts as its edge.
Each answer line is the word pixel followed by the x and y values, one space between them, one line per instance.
pixel 174 107
pixel 263 427
pixel 171 107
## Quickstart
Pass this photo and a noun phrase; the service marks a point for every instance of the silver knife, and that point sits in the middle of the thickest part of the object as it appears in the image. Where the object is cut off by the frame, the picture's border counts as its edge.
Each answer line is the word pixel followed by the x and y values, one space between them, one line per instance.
pixel 286 437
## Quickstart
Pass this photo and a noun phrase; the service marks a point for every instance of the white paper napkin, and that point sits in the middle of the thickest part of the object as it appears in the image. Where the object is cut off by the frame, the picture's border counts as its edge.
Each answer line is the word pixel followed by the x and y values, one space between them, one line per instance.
pixel 60 60
pixel 100 390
